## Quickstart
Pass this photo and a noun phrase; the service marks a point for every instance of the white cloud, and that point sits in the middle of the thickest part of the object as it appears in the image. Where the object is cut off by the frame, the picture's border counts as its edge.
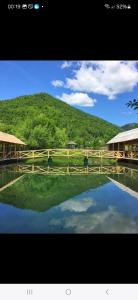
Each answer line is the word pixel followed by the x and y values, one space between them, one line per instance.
pixel 108 78
pixel 66 64
pixel 81 99
pixel 57 83
pixel 77 205
pixel 108 221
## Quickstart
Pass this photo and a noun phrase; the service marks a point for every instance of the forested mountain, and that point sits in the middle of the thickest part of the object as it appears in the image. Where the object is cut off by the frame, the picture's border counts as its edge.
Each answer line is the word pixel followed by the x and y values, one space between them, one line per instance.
pixel 129 126
pixel 42 121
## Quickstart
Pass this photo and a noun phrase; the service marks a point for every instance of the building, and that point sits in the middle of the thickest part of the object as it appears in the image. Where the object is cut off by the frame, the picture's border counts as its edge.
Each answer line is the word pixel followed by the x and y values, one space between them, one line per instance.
pixel 124 141
pixel 71 145
pixel 9 143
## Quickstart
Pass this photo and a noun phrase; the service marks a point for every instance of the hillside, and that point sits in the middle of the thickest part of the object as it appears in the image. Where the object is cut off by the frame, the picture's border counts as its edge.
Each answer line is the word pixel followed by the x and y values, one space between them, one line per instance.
pixel 45 122
pixel 129 126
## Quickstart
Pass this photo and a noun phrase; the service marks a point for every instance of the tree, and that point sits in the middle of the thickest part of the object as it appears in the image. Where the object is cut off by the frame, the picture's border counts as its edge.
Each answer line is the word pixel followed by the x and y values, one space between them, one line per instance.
pixel 133 104
pixel 60 137
pixel 79 142
pixel 97 143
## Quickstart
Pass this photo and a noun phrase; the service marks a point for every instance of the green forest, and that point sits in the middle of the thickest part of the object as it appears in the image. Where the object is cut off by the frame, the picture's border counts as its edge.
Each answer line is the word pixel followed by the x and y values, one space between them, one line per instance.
pixel 42 121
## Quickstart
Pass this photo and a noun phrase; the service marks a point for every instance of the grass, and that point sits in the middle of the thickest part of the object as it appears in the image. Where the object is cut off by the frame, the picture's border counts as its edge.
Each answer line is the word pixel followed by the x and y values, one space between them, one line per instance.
pixel 70 161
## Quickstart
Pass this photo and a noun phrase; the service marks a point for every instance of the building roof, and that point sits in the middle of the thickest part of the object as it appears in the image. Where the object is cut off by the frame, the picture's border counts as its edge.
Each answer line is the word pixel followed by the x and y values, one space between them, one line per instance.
pixel 125 136
pixel 71 143
pixel 8 138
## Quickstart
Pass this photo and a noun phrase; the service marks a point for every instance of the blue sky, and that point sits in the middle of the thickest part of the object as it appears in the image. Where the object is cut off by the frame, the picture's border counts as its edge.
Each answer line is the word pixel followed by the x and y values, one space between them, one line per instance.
pixel 99 88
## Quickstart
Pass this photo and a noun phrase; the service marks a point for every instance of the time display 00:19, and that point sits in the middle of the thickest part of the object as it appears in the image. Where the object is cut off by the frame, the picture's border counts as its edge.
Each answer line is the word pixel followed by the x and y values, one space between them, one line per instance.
pixel 14 6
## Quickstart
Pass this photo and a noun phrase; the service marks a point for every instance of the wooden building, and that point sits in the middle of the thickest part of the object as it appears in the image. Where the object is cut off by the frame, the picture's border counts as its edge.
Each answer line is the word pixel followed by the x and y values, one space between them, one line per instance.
pixel 9 143
pixel 71 145
pixel 124 141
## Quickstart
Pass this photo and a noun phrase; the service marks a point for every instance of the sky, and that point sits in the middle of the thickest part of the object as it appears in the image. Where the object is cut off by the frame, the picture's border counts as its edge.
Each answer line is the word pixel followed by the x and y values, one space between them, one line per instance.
pixel 100 88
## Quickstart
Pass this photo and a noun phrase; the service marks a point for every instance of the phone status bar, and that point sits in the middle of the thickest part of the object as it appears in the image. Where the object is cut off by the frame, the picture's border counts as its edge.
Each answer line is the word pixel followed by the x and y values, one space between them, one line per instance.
pixel 26 6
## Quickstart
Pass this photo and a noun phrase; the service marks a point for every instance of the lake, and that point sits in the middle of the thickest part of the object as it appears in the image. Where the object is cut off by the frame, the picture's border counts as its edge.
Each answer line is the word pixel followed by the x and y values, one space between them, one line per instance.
pixel 36 199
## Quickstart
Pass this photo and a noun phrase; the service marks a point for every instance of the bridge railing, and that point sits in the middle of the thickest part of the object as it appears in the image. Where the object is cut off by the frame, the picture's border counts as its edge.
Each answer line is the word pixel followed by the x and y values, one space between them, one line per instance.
pixel 70 153
pixel 8 155
pixel 89 153
pixel 131 154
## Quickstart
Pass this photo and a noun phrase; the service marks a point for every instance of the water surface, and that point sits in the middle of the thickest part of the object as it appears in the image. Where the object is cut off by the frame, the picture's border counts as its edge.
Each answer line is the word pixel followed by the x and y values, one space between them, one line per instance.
pixel 68 200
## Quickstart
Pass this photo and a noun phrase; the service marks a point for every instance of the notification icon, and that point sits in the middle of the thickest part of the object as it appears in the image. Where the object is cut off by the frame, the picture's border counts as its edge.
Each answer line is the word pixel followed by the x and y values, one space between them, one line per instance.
pixel 24 6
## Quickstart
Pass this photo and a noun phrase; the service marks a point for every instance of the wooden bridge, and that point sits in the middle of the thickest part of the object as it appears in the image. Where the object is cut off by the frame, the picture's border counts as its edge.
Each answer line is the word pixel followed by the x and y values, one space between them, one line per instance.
pixel 69 153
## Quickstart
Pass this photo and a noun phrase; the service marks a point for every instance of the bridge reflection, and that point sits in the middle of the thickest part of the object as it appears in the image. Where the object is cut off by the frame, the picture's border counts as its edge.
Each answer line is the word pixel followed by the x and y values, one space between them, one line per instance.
pixel 11 174
pixel 73 170
pixel 19 186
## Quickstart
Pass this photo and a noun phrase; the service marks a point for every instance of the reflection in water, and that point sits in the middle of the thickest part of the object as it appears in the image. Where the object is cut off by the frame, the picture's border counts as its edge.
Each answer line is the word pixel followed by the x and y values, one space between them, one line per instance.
pixel 103 200
pixel 68 170
pixel 38 192
pixel 109 221
pixel 124 188
pixel 77 206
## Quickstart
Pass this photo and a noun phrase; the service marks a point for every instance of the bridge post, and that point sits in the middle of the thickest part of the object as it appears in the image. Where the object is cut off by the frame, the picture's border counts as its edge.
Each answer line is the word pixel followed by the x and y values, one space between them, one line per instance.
pixel 87 153
pixel 3 150
pixel 86 170
pixel 101 158
pixel 68 153
pixel 15 150
pixel 68 170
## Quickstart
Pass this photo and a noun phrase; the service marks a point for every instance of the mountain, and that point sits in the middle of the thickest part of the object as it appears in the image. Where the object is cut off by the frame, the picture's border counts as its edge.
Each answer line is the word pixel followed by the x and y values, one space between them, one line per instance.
pixel 129 126
pixel 43 121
